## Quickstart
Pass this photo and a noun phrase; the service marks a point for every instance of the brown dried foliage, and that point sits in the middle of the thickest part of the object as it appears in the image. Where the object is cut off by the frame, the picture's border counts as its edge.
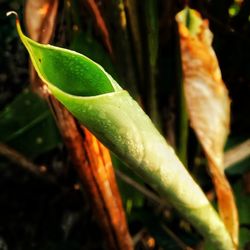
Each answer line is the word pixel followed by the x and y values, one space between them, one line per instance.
pixel 208 107
pixel 40 17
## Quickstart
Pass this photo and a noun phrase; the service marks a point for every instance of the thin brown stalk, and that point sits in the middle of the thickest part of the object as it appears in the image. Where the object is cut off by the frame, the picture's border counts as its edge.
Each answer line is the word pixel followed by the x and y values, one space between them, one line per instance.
pixel 178 241
pixel 149 194
pixel 20 160
pixel 94 167
pixel 100 23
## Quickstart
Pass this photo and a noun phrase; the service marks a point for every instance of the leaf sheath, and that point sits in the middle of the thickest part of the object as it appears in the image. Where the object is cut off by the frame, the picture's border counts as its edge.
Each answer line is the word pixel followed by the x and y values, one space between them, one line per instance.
pixel 111 114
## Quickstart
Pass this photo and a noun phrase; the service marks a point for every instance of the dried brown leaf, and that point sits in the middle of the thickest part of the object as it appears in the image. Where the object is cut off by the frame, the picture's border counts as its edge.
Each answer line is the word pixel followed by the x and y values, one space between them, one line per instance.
pixel 40 16
pixel 208 107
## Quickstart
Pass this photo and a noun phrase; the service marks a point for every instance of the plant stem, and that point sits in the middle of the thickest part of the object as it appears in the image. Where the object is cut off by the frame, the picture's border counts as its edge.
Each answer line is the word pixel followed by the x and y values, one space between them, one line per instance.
pixel 182 117
pixel 152 29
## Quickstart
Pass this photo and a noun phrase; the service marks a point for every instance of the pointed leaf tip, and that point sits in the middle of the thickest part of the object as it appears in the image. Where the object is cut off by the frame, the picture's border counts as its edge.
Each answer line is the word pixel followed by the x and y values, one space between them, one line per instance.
pixel 12 13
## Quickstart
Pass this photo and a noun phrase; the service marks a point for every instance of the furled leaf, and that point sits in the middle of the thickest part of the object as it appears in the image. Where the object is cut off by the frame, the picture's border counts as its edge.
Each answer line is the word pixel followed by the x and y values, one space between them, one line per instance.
pixel 103 190
pixel 208 106
pixel 84 42
pixel 107 110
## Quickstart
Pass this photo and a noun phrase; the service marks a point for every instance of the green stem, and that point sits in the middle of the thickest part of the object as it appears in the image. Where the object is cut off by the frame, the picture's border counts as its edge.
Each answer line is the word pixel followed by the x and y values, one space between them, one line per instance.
pixel 152 28
pixel 182 126
pixel 121 41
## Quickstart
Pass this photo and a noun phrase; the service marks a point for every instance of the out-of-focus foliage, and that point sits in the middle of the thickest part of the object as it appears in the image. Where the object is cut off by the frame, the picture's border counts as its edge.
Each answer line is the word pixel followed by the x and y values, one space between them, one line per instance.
pixel 28 121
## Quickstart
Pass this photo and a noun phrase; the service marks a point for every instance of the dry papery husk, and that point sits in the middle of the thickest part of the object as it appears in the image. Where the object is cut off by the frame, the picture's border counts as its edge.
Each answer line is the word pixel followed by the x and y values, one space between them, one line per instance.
pixel 208 106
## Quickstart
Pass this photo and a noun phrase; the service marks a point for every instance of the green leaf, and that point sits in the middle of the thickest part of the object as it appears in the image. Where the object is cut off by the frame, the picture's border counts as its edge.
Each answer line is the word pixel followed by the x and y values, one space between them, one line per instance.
pixel 27 125
pixel 68 69
pixel 110 113
pixel 191 20
pixel 85 43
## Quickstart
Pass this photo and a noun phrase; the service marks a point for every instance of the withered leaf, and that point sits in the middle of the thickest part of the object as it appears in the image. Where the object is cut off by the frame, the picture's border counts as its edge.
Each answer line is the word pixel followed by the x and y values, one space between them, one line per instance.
pixel 208 106
pixel 40 16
